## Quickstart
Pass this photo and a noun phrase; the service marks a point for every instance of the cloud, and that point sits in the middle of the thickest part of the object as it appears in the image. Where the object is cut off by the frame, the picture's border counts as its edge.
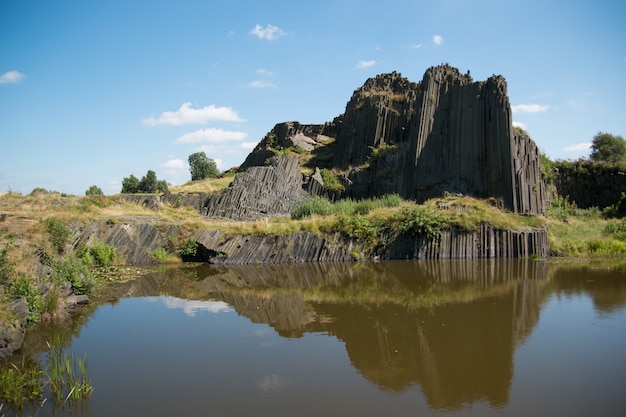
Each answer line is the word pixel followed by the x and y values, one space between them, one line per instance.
pixel 11 77
pixel 261 84
pixel 187 115
pixel 520 125
pixel 417 46
pixel 437 39
pixel 529 108
pixel 269 32
pixel 264 72
pixel 211 135
pixel 584 146
pixel 365 64
pixel 175 164
pixel 191 307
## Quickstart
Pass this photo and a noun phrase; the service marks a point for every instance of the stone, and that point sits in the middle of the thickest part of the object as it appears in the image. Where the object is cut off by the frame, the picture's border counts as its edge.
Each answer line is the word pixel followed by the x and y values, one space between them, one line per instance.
pixel 12 334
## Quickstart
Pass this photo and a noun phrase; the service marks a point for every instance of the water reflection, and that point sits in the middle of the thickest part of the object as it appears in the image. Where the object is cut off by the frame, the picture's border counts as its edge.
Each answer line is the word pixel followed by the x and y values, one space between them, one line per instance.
pixel 449 329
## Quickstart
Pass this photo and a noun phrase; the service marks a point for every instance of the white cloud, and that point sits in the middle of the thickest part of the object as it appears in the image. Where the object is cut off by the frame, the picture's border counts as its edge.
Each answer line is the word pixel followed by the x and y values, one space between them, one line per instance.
pixel 211 135
pixel 191 307
pixel 264 72
pixel 437 39
pixel 417 46
pixel 520 125
pixel 261 84
pixel 269 32
pixel 584 146
pixel 11 77
pixel 175 164
pixel 365 64
pixel 188 115
pixel 247 145
pixel 529 108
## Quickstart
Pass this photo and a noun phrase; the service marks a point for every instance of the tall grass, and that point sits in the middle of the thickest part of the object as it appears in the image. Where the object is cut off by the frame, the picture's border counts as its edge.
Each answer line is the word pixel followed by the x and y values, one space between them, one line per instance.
pixel 67 375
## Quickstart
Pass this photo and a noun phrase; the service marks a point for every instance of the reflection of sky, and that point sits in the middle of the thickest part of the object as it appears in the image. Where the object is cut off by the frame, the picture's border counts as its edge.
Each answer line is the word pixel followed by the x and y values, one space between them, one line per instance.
pixel 191 307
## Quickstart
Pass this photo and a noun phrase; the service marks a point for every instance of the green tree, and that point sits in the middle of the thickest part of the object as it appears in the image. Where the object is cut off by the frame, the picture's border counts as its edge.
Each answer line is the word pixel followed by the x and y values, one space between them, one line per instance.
pixel 608 148
pixel 148 183
pixel 201 167
pixel 94 190
pixel 130 185
pixel 162 186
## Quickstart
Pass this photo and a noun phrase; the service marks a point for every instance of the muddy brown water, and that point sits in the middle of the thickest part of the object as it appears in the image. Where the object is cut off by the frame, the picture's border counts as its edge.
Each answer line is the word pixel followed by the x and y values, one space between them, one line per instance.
pixel 401 338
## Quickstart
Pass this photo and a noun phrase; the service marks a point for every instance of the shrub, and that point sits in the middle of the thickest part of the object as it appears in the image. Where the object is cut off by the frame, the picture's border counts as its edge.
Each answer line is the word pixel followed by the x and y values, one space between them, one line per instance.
pixel 420 221
pixel 5 265
pixel 94 190
pixel 102 253
pixel 74 272
pixel 160 254
pixel 59 233
pixel 25 286
pixel 560 208
pixel 189 249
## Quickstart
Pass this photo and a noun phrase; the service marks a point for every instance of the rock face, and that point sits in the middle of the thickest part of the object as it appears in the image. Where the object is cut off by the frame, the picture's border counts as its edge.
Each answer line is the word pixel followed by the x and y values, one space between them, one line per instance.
pixel 260 191
pixel 485 242
pixel 421 140
pixel 12 334
pixel 135 241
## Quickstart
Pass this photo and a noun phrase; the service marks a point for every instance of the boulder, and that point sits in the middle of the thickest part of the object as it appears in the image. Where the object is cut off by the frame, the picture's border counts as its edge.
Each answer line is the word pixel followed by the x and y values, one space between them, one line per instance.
pixel 12 333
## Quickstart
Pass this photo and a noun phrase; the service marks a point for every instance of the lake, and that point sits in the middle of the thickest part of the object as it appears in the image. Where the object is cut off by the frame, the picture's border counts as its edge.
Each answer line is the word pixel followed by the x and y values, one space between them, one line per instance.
pixel 397 338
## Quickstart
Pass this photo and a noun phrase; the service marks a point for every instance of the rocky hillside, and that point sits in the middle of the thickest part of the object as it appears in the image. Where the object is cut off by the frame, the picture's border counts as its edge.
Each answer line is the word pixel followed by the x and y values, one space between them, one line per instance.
pixel 445 134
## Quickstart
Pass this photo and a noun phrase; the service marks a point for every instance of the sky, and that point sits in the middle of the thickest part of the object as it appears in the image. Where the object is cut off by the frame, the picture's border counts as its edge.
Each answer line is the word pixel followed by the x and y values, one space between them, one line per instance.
pixel 94 91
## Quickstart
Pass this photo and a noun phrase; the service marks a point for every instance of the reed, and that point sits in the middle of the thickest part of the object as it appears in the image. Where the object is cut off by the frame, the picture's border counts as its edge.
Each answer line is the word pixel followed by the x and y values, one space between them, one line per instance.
pixel 67 375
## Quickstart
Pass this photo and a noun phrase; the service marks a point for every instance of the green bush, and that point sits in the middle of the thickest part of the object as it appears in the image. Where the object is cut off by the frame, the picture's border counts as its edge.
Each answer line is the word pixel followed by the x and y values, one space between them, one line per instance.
pixel 365 230
pixel 103 254
pixel 59 233
pixel 6 267
pixel 190 248
pixel 26 287
pixel 561 209
pixel 160 254
pixel 420 221
pixel 330 180
pixel 74 272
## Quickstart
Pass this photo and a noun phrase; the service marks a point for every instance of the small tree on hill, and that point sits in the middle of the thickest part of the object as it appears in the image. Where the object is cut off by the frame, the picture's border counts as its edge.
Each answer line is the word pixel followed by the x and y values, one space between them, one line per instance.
pixel 148 183
pixel 94 190
pixel 130 185
pixel 608 148
pixel 202 167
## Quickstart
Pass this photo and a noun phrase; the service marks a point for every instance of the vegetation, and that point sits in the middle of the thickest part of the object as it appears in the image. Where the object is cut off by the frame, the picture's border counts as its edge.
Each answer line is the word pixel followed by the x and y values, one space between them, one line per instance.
pixel 148 184
pixel 94 190
pixel 608 148
pixel 63 380
pixel 201 167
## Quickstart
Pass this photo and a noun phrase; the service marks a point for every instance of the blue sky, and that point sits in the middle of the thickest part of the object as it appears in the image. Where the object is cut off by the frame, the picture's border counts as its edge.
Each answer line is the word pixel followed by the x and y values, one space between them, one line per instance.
pixel 93 91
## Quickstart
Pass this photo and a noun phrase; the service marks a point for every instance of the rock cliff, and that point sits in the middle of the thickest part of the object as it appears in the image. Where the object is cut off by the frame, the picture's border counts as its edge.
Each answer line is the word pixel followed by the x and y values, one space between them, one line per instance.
pixel 445 134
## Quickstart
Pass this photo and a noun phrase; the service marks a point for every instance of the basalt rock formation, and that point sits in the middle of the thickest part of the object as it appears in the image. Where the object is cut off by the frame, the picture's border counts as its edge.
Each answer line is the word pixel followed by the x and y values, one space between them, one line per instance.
pixel 446 134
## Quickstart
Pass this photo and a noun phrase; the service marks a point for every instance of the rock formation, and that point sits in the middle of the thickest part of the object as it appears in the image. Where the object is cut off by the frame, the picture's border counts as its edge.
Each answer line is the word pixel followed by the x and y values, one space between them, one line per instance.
pixel 259 192
pixel 421 140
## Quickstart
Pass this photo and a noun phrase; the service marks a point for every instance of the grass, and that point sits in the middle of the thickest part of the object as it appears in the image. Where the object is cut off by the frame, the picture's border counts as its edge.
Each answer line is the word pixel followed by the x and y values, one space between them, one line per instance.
pixel 209 186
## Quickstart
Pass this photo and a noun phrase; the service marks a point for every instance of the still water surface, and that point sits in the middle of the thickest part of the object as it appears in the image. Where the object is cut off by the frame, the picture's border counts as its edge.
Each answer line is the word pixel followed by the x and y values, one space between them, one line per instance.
pixel 502 338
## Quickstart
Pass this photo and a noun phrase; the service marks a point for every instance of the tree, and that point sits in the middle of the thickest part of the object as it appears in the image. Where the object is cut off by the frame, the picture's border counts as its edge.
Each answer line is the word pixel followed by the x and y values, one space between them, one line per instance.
pixel 130 185
pixel 608 148
pixel 162 186
pixel 94 190
pixel 148 183
pixel 201 167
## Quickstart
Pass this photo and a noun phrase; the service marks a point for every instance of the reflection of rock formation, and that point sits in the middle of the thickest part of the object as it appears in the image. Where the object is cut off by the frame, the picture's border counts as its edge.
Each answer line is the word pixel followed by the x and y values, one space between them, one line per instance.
pixel 451 327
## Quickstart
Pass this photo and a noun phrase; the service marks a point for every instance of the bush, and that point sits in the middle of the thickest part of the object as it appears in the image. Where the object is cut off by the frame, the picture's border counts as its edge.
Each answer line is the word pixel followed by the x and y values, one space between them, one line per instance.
pixel 160 254
pixel 74 272
pixel 25 286
pixel 94 190
pixel 103 254
pixel 420 221
pixel 330 180
pixel 59 233
pixel 560 208
pixel 190 249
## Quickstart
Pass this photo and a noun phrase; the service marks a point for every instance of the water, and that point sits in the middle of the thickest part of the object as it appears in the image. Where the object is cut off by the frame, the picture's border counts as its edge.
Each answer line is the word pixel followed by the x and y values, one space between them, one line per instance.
pixel 513 338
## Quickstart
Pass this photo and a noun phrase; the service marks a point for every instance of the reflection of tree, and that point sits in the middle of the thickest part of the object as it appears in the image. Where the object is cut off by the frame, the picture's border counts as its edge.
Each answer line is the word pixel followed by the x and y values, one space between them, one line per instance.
pixel 605 286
